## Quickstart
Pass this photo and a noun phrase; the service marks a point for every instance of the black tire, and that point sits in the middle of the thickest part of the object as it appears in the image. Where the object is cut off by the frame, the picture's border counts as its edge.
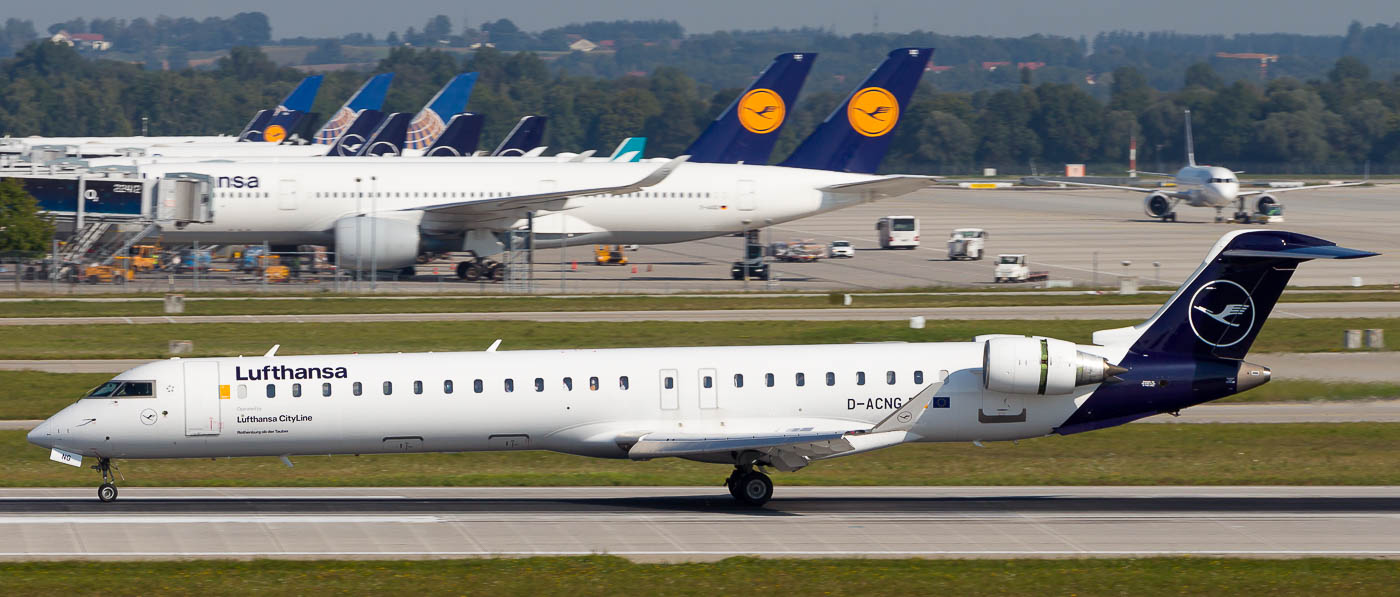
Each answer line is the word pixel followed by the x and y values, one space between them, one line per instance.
pixel 470 272
pixel 107 492
pixel 498 272
pixel 754 489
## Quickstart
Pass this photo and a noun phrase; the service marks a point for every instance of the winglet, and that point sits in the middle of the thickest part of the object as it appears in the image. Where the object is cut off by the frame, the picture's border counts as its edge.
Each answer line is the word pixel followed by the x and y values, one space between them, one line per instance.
pixel 272 352
pixel 659 174
pixel 907 415
pixel 494 345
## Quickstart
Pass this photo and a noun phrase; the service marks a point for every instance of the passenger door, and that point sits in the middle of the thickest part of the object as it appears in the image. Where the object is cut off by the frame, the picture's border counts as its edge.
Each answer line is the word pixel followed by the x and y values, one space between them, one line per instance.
pixel 667 381
pixel 708 384
pixel 287 194
pixel 202 398
pixel 745 196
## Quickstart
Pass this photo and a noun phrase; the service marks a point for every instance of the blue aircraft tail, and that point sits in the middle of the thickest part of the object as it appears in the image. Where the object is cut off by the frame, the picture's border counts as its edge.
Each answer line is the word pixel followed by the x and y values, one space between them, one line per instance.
pixel 462 136
pixel 253 132
pixel 1190 351
pixel 353 140
pixel 370 96
pixel 527 134
pixel 292 110
pixel 629 150
pixel 388 139
pixel 746 130
pixel 303 96
pixel 432 119
pixel 856 135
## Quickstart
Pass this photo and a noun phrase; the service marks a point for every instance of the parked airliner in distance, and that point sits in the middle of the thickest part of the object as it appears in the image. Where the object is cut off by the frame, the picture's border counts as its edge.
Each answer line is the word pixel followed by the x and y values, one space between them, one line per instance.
pixel 748 407
pixel 1208 186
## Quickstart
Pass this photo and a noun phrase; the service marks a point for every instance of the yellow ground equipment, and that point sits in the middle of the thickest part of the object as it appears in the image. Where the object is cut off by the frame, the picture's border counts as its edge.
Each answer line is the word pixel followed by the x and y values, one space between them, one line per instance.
pixel 609 254
pixel 145 258
pixel 107 274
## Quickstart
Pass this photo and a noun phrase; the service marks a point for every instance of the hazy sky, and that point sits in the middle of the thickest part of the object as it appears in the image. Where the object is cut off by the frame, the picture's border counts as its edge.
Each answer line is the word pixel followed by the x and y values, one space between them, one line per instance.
pixel 323 18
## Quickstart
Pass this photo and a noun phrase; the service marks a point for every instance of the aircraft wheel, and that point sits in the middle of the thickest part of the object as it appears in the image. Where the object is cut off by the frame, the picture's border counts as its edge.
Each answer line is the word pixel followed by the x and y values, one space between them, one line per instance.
pixel 498 272
pixel 754 489
pixel 107 492
pixel 468 271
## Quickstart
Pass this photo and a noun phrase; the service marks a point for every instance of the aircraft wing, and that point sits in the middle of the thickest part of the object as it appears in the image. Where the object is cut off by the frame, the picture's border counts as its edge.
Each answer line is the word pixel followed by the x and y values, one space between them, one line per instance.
pixel 884 187
pixel 1304 188
pixel 498 206
pixel 1106 186
pixel 791 449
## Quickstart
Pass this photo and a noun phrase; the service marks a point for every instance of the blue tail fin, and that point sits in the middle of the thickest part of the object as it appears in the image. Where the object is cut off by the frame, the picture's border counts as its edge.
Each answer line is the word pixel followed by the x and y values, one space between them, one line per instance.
pixel 303 96
pixel 370 96
pixel 388 139
pixel 856 135
pixel 527 134
pixel 280 128
pixel 432 119
pixel 746 130
pixel 357 133
pixel 1218 312
pixel 462 136
pixel 629 150
pixel 253 132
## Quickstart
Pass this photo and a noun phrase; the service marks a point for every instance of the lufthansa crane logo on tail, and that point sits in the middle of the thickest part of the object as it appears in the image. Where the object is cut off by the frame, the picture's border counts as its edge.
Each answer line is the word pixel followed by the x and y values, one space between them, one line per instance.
pixel 761 111
pixel 1222 313
pixel 873 111
pixel 274 134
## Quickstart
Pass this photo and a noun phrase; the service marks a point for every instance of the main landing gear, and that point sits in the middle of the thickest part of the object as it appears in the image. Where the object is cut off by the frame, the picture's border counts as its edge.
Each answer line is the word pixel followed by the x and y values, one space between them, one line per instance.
pixel 107 491
pixel 750 488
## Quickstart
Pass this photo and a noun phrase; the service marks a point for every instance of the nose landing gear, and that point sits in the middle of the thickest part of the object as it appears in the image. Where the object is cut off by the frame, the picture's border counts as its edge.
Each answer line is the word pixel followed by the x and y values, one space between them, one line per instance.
pixel 107 491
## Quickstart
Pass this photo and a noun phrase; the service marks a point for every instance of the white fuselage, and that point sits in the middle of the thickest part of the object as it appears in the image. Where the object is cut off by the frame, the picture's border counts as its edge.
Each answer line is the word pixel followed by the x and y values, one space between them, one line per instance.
pixel 1207 186
pixel 299 202
pixel 235 406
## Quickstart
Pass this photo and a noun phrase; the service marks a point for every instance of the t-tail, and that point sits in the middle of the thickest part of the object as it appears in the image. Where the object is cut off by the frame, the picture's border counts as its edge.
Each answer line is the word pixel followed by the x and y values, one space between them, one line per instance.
pixel 461 138
pixel 525 137
pixel 388 139
pixel 1190 144
pixel 431 121
pixel 629 150
pixel 370 96
pixel 360 130
pixel 746 130
pixel 855 137
pixel 1192 349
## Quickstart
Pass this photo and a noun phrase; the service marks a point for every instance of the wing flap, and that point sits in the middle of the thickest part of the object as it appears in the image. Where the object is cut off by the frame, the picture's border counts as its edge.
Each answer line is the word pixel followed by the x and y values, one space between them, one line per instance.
pixel 658 445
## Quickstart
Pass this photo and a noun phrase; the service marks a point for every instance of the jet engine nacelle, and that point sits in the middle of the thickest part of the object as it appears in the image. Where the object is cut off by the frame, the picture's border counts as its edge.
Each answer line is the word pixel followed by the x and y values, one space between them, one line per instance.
pixel 1157 205
pixel 1267 205
pixel 1043 366
pixel 365 242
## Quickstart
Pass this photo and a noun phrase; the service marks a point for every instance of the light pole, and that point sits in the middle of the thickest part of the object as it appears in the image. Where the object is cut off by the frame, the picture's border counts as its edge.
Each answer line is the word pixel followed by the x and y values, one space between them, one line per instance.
pixel 1158 266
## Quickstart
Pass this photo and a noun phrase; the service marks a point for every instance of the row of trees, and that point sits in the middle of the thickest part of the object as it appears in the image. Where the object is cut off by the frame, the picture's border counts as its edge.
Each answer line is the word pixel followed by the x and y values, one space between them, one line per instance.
pixel 141 35
pixel 1346 117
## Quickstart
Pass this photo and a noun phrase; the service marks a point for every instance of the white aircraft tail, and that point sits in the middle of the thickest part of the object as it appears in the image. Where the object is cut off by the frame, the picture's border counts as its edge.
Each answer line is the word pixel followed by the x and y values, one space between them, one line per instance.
pixel 1190 145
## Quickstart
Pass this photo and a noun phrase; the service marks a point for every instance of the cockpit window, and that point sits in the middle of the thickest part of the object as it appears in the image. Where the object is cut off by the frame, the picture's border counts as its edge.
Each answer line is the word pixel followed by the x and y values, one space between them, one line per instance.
pixel 124 389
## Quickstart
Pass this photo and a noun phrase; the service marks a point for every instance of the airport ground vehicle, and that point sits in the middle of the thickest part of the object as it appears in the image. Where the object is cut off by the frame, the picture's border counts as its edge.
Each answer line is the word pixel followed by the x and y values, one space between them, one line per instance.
pixel 840 249
pixel 187 260
pixel 966 243
pixel 752 266
pixel 745 407
pixel 1013 268
pixel 800 251
pixel 144 258
pixel 609 254
pixel 898 232
pixel 107 274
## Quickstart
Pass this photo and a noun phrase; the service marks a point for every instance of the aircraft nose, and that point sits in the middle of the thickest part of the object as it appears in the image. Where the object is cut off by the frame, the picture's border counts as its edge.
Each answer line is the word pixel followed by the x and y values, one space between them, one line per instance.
pixel 40 436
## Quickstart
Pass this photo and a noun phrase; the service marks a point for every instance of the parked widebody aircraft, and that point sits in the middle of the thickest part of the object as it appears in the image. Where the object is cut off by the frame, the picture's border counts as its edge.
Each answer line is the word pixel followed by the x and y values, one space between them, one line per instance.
pixel 748 407
pixel 1209 186
pixel 298 101
pixel 396 210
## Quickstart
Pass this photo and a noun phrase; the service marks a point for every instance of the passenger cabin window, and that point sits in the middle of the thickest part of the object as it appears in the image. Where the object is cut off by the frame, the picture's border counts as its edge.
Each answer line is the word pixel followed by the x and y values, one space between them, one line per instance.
pixel 539 384
pixel 622 382
pixel 889 377
pixel 124 389
pixel 830 378
pixel 670 383
pixel 326 389
pixel 388 388
pixel 447 386
pixel 296 390
pixel 593 384
pixel 569 384
pixel 918 376
pixel 768 379
pixel 477 386
pixel 357 389
pixel 271 391
pixel 708 382
pixel 801 379
pixel 860 378
pixel 510 385
pixel 738 380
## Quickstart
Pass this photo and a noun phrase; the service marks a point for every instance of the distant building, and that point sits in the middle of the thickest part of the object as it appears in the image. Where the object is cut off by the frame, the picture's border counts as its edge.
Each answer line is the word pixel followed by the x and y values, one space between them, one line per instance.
pixel 937 69
pixel 993 65
pixel 82 41
pixel 479 45
pixel 1030 65
pixel 583 45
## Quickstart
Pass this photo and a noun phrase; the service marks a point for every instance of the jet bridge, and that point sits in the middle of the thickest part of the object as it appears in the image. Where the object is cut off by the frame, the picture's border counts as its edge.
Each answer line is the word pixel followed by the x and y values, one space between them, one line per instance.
pixel 118 194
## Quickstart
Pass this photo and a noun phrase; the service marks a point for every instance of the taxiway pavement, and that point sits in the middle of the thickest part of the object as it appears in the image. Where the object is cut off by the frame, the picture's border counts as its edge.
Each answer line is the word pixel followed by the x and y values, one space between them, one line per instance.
pixel 688 523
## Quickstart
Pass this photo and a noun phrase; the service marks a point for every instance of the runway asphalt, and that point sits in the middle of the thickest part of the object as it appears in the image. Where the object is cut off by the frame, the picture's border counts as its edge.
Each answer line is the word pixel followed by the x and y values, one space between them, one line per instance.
pixel 1351 309
pixel 687 523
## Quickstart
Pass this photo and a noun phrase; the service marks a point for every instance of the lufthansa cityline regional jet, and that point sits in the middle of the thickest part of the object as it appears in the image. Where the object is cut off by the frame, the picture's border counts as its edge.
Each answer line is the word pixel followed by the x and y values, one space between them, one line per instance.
pixel 749 407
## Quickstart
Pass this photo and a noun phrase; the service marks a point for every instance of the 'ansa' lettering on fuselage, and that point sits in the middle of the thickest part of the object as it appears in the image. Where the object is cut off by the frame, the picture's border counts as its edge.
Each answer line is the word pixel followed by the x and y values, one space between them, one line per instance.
pixel 238 182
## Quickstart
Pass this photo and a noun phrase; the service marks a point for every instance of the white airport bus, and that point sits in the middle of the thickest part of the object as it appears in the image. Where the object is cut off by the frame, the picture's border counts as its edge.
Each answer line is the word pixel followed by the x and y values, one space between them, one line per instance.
pixel 900 232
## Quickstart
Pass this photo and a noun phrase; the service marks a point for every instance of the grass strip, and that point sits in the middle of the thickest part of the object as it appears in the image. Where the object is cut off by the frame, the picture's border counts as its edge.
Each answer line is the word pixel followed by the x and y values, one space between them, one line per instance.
pixel 607 575
pixel 1221 454
pixel 66 308
pixel 38 394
